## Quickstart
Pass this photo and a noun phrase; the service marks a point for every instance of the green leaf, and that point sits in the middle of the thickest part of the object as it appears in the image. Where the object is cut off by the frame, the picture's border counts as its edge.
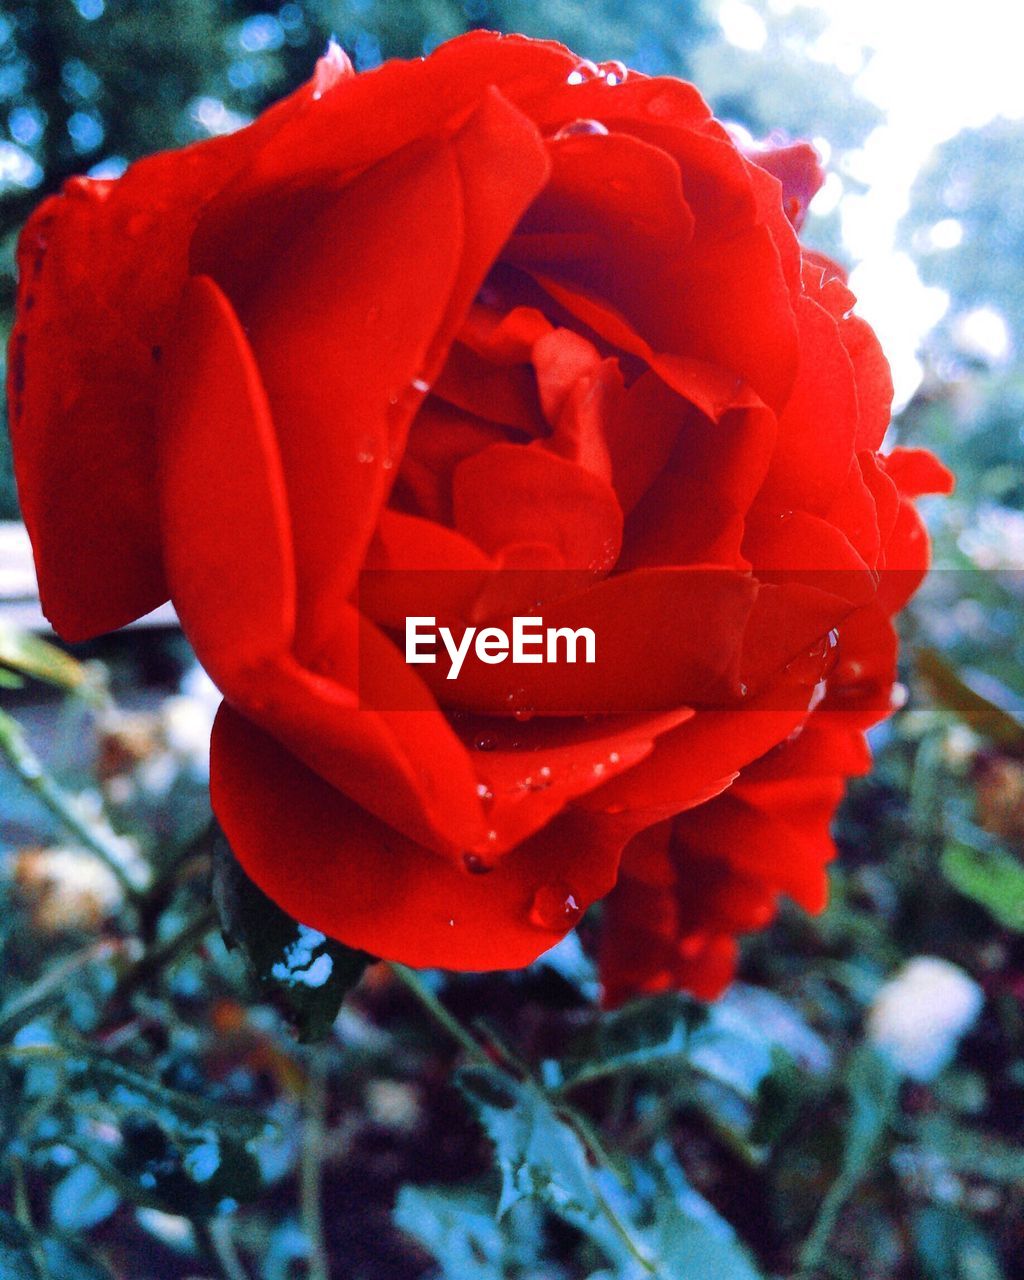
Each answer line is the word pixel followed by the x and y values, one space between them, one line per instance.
pixel 16 1260
pixel 991 877
pixel 457 1226
pixel 689 1236
pixel 540 1158
pixel 981 701
pixel 537 1154
pixel 303 973
pixel 28 654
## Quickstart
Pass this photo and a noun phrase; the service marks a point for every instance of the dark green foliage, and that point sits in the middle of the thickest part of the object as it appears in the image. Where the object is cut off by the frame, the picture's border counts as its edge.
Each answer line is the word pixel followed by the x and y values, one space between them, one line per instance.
pixel 305 975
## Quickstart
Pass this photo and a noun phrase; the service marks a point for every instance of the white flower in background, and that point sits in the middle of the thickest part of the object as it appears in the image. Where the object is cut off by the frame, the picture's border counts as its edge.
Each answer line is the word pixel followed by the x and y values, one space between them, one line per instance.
pixel 919 1016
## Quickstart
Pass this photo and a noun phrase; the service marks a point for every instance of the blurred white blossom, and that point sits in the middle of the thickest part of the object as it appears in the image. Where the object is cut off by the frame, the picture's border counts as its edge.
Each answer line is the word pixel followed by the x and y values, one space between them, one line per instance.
pixel 919 1016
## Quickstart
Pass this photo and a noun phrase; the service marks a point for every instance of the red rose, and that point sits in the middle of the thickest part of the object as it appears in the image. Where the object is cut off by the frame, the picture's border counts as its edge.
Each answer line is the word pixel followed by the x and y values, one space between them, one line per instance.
pixel 501 315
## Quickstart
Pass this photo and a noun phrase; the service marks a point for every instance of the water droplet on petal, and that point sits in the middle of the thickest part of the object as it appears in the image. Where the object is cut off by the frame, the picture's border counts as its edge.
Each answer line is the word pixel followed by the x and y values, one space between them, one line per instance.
pixel 582 72
pixel 485 742
pixel 581 129
pixel 613 72
pixel 475 865
pixel 539 781
pixel 817 662
pixel 554 907
pixel 614 757
pixel 484 792
pixel 420 385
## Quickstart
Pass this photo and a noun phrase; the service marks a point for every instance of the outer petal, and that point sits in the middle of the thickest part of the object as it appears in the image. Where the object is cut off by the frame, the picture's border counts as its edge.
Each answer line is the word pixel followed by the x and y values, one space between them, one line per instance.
pixel 113 255
pixel 686 888
pixel 334 867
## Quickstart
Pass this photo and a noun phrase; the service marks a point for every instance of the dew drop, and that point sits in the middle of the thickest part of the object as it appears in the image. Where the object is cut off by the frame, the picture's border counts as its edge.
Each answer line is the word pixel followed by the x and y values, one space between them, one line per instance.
pixel 554 907
pixel 613 72
pixel 484 792
pixel 420 385
pixel 519 708
pixel 365 454
pixel 582 72
pixel 539 781
pixel 614 757
pixel 475 865
pixel 817 662
pixel 581 129
pixel 485 742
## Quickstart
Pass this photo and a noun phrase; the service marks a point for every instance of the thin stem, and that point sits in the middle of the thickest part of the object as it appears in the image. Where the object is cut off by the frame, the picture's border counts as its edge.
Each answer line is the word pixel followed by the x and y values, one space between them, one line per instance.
pixel 814 1247
pixel 216 1238
pixel 164 954
pixel 635 1249
pixel 415 984
pixel 26 764
pixel 52 986
pixel 310 1166
pixel 23 1212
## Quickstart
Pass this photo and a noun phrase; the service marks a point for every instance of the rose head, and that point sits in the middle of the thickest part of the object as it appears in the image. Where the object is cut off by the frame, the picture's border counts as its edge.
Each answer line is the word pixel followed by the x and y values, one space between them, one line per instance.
pixel 465 336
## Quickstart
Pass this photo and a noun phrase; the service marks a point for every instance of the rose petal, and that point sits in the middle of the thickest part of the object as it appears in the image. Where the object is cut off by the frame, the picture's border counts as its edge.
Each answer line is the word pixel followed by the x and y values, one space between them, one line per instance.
pixel 368 886
pixel 82 396
pixel 499 492
pixel 222 494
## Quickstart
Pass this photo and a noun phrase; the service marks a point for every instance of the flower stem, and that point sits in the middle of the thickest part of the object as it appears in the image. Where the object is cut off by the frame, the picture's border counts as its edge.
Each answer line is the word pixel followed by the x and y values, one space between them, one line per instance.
pixel 26 764
pixel 415 984
pixel 309 1168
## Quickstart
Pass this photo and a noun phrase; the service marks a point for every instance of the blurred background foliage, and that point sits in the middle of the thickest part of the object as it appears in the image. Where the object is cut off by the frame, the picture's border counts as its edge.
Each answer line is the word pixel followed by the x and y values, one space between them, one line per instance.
pixel 159 1116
